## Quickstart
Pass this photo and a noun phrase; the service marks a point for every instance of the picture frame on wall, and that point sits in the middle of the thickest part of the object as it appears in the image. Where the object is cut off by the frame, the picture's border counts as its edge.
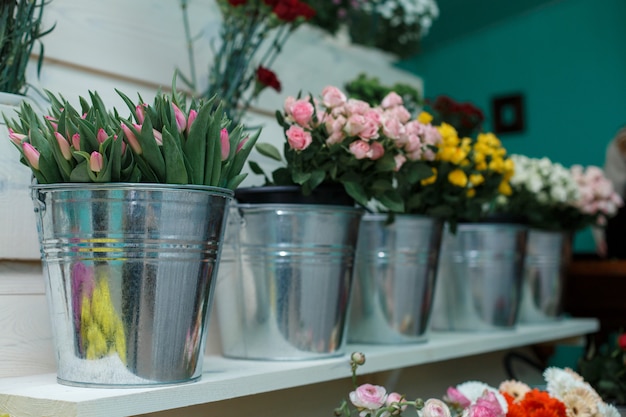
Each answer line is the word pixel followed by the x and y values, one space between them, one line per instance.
pixel 508 113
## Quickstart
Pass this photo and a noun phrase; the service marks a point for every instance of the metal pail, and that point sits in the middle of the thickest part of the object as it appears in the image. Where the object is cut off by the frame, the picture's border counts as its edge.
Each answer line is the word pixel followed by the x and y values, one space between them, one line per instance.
pixel 548 254
pixel 395 270
pixel 479 277
pixel 284 285
pixel 129 274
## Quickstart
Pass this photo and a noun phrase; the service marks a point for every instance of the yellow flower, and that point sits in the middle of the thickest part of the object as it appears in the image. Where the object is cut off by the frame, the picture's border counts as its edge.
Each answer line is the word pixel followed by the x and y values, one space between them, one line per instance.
pixel 471 192
pixel 505 188
pixel 431 179
pixel 497 165
pixel 447 131
pixel 481 166
pixel 457 177
pixel 476 179
pixel 425 118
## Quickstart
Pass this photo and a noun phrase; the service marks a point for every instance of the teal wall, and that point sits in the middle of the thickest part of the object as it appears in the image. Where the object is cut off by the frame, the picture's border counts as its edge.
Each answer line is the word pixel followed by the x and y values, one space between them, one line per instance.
pixel 568 59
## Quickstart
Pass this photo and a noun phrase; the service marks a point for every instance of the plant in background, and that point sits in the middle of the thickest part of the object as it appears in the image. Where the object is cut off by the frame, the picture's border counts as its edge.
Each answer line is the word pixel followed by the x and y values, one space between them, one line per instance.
pixel 370 90
pixel 252 35
pixel 605 369
pixel 567 394
pixel 552 197
pixel 331 15
pixel 20 29
pixel 370 400
pixel 463 180
pixel 466 118
pixel 166 142
pixel 336 140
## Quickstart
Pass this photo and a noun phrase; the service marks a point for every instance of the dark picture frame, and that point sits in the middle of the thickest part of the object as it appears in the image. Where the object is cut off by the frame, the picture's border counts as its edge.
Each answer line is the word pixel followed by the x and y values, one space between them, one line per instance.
pixel 508 113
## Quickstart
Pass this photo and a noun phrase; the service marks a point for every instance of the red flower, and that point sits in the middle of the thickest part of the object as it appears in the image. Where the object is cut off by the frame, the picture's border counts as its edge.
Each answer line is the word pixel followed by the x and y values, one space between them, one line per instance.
pixel 268 78
pixel 621 341
pixel 236 3
pixel 290 10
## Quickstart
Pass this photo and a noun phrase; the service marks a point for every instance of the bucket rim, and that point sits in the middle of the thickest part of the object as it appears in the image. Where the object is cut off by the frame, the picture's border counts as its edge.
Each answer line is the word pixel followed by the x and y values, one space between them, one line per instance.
pixel 298 207
pixel 145 186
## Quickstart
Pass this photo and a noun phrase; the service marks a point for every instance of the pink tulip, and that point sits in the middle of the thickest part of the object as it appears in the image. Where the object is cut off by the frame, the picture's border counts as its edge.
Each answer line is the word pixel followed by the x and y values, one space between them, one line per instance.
pixel 31 154
pixel 224 144
pixel 102 135
pixel 53 122
pixel 140 111
pixel 16 138
pixel 158 137
pixel 76 141
pixel 96 162
pixel 132 139
pixel 192 117
pixel 181 120
pixel 64 145
pixel 240 144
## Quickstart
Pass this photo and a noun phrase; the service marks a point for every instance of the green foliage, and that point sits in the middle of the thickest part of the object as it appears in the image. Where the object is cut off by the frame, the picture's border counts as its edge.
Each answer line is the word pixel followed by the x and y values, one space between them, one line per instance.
pixel 605 370
pixel 166 142
pixel 20 30
pixel 370 90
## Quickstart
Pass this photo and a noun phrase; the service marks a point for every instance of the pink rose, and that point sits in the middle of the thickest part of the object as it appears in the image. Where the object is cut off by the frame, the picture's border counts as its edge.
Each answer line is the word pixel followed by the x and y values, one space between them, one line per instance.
pixel 288 104
pixel 302 112
pixel 354 106
pixel 335 137
pixel 391 100
pixel 399 113
pixel 431 135
pixel 400 160
pixel 360 149
pixel 413 143
pixel 355 124
pixel 455 396
pixel 334 124
pixel 368 396
pixel 370 129
pixel 393 129
pixel 333 97
pixel 376 151
pixel 435 408
pixel 298 138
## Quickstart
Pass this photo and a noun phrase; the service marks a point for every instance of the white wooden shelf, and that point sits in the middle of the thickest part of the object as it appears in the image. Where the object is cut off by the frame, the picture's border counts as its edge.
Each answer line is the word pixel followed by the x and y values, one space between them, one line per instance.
pixel 227 378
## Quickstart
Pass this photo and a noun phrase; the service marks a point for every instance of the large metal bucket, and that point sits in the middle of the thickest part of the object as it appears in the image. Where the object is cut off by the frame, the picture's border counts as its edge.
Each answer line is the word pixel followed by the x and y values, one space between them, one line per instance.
pixel 479 277
pixel 284 285
pixel 548 254
pixel 395 270
pixel 129 273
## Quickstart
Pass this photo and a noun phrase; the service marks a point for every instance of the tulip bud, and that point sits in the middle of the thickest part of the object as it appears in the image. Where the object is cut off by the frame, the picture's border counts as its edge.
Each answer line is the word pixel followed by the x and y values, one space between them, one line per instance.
pixel 102 135
pixel 84 116
pixel 141 112
pixel 95 162
pixel 16 138
pixel 53 122
pixel 181 121
pixel 31 154
pixel 132 139
pixel 225 144
pixel 192 117
pixel 64 145
pixel 76 141
pixel 158 137
pixel 240 144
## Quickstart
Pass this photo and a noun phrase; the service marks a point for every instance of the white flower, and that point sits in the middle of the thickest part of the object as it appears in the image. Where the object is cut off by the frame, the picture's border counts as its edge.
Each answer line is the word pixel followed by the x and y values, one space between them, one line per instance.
pixel 607 410
pixel 560 382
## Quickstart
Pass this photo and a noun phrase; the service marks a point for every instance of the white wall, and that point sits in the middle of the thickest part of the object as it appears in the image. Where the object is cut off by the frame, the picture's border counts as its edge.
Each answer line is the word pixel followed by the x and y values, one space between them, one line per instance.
pixel 135 46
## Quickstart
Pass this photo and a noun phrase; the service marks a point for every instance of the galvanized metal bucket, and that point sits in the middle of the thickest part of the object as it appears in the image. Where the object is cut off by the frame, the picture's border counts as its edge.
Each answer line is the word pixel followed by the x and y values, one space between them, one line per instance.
pixel 284 284
pixel 548 254
pixel 479 277
pixel 394 281
pixel 129 273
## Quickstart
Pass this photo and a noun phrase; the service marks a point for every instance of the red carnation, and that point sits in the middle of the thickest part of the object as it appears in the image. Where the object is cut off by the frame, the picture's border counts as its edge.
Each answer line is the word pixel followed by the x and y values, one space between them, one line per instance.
pixel 267 77
pixel 621 341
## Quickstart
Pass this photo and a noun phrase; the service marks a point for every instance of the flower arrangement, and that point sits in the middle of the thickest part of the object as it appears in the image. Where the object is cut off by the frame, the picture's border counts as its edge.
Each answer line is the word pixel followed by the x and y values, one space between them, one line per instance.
pixel 166 142
pixel 605 369
pixel 20 29
pixel 466 118
pixel 463 181
pixel 553 197
pixel 567 394
pixel 348 142
pixel 252 35
pixel 374 400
